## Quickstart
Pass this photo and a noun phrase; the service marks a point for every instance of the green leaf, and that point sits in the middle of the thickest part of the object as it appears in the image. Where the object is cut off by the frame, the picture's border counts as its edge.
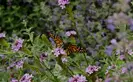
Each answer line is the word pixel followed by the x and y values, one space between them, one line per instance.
pixel 32 67
pixel 72 40
pixel 4 77
pixel 45 9
pixel 4 42
pixel 27 51
pixel 57 68
pixel 46 41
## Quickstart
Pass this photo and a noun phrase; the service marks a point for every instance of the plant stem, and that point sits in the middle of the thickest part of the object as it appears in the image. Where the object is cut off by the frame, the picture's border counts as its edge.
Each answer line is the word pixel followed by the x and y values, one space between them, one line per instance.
pixel 56 80
pixel 85 74
pixel 64 66
pixel 69 11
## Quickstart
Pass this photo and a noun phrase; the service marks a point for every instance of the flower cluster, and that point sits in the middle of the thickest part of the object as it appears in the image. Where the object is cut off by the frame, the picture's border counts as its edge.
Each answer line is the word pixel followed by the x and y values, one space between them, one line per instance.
pixel 18 65
pixel 2 35
pixel 124 70
pixel 124 49
pixel 117 19
pixel 70 33
pixel 110 24
pixel 43 56
pixel 109 50
pixel 14 80
pixel 108 80
pixel 113 41
pixel 91 69
pixel 17 45
pixel 77 78
pixel 62 3
pixel 24 78
pixel 59 51
pixel 130 52
pixel 122 57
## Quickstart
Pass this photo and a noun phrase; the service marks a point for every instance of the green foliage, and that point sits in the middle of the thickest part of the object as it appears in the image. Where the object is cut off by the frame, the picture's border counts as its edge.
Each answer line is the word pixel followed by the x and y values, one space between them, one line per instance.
pixel 32 19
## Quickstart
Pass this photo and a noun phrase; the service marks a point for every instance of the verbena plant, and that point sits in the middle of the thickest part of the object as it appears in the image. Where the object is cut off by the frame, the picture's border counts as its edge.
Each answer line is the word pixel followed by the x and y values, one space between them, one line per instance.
pixel 99 30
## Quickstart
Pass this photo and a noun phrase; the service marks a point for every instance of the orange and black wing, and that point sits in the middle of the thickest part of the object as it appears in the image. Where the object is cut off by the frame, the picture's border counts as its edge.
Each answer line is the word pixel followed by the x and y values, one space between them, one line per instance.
pixel 74 49
pixel 58 41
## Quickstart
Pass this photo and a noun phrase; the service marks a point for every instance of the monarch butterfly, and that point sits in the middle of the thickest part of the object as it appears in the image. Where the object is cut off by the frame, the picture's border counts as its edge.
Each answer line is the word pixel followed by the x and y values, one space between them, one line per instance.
pixel 58 41
pixel 69 48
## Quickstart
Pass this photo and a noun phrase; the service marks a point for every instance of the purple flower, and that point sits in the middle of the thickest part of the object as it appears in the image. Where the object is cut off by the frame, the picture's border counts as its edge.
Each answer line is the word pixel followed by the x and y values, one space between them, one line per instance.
pixel 26 78
pixel 108 80
pixel 113 41
pixel 14 80
pixel 2 35
pixel 122 57
pixel 59 51
pixel 124 70
pixel 91 69
pixel 19 64
pixel 68 34
pixel 130 52
pixel 130 21
pixel 62 3
pixel 111 27
pixel 64 60
pixel 11 66
pixel 131 27
pixel 109 50
pixel 77 78
pixel 71 33
pixel 130 66
pixel 17 45
pixel 43 56
pixel 109 21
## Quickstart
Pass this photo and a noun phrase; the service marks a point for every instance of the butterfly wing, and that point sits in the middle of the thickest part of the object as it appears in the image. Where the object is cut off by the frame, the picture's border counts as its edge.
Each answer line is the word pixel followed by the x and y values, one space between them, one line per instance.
pixel 70 48
pixel 58 41
pixel 74 49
